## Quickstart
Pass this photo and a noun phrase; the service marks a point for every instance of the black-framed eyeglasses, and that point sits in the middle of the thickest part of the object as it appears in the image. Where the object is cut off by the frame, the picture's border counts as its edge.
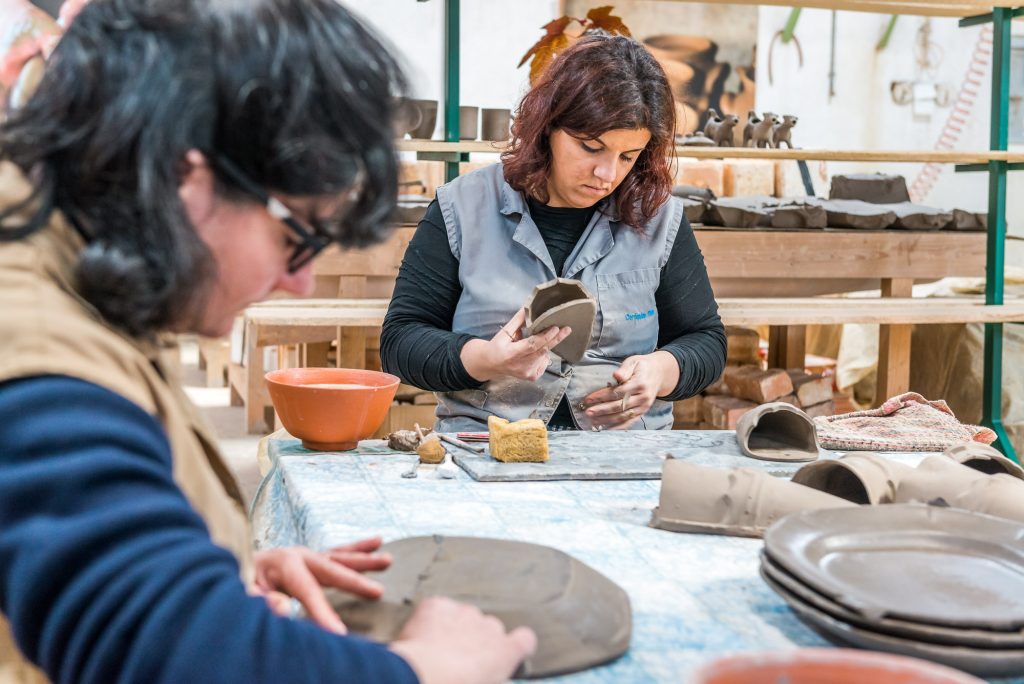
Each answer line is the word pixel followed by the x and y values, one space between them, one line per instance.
pixel 307 240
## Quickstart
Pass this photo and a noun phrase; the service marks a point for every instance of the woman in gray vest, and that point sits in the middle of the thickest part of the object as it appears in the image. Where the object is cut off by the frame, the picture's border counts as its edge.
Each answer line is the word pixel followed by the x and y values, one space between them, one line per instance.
pixel 583 192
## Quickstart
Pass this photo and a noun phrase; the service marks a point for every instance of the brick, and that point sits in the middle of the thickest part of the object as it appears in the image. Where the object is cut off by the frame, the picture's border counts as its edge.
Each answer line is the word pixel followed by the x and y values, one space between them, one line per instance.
pixel 687 412
pixel 745 177
pixel 722 412
pixel 790 399
pixel 810 389
pixel 744 345
pixel 717 387
pixel 750 382
pixel 703 174
pixel 825 408
pixel 706 426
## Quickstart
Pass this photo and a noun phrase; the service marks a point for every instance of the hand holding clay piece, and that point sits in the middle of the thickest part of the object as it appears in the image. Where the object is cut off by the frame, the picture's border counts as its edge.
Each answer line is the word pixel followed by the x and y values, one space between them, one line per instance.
pixel 563 303
pixel 581 619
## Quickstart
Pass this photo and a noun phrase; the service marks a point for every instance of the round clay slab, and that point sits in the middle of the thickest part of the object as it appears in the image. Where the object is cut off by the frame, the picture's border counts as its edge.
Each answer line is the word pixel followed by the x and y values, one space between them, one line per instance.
pixel 928 564
pixel 581 618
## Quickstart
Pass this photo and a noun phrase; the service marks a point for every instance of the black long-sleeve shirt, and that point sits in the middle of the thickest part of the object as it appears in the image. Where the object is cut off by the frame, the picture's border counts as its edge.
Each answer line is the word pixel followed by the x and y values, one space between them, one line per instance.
pixel 418 346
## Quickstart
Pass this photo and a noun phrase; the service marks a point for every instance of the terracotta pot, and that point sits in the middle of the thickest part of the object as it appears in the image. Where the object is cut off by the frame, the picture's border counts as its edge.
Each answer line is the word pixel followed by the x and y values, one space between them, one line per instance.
pixel 832 665
pixel 331 418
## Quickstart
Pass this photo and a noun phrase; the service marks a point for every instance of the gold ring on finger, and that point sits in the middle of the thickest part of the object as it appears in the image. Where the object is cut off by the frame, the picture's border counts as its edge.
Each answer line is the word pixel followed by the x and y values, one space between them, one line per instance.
pixel 631 413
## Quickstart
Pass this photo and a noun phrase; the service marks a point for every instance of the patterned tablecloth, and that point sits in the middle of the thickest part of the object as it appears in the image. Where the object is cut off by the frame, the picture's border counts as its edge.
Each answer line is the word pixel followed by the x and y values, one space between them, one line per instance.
pixel 694 597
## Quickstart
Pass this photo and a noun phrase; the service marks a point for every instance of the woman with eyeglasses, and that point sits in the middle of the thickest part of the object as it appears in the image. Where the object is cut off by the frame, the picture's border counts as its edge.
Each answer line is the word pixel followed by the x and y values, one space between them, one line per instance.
pixel 180 160
pixel 582 193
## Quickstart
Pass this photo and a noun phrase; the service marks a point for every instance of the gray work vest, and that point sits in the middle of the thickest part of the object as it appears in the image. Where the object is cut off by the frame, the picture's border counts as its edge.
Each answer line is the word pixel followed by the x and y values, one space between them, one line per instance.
pixel 502 257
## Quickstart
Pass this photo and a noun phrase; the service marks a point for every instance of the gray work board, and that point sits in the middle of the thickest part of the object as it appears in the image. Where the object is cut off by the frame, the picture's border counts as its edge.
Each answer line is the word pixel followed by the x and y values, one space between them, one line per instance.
pixel 577 455
pixel 618 455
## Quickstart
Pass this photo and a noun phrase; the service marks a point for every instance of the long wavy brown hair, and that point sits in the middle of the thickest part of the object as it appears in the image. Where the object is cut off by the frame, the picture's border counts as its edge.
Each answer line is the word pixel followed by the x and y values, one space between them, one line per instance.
pixel 599 84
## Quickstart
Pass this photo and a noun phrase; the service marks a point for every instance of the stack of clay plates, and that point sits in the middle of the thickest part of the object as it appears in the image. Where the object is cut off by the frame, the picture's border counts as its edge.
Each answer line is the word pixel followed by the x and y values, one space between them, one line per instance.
pixel 937 583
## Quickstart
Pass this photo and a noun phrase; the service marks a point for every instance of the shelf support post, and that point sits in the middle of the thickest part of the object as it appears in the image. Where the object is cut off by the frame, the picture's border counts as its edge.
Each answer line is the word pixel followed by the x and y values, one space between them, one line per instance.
pixel 451 82
pixel 992 391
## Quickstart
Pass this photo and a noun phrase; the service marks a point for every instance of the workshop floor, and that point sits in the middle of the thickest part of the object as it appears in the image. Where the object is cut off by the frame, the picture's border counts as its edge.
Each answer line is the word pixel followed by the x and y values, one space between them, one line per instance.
pixel 228 421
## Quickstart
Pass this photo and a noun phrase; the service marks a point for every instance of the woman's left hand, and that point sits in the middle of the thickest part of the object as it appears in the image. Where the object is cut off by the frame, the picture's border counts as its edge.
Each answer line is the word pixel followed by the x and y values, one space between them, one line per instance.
pixel 301 573
pixel 641 380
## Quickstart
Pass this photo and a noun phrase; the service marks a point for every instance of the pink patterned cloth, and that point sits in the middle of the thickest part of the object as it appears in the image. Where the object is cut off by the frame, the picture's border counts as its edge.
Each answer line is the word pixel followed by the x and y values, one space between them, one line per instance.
pixel 908 422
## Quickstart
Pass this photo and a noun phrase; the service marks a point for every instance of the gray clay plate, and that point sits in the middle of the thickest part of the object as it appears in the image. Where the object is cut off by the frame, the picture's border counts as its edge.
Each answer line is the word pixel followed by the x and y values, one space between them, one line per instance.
pixel 789 586
pixel 982 662
pixel 928 564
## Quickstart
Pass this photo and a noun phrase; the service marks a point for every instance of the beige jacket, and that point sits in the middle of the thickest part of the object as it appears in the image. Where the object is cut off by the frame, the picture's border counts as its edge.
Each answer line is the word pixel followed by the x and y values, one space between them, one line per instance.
pixel 47 329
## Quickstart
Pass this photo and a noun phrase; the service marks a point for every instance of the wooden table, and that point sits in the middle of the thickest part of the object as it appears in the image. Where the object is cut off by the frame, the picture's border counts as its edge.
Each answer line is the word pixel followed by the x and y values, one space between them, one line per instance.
pixel 694 597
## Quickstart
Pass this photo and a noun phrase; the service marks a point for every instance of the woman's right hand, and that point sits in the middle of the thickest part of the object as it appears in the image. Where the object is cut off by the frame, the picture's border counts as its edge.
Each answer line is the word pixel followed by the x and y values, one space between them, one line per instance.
pixel 453 643
pixel 509 354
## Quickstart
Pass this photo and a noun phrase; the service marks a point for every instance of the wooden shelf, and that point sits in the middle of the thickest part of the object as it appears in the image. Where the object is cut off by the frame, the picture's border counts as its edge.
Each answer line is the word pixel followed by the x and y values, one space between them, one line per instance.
pixel 934 8
pixel 883 310
pixel 910 156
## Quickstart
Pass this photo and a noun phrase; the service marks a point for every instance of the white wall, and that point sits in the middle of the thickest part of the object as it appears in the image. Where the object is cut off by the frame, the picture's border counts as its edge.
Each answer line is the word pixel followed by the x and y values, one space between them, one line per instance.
pixel 862 114
pixel 495 35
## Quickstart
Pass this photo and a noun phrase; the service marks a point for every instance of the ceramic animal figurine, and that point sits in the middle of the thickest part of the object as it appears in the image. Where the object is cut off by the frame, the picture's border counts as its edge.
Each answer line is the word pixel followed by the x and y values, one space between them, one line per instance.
pixel 748 130
pixel 719 128
pixel 697 139
pixel 761 134
pixel 782 132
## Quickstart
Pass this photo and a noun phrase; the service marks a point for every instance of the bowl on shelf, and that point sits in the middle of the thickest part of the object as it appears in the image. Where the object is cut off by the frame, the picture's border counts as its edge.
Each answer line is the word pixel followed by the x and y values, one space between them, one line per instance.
pixel 331 409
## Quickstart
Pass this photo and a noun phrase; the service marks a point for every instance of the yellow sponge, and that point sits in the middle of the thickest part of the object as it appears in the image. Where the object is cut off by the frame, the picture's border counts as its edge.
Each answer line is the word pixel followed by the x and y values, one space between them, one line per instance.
pixel 518 442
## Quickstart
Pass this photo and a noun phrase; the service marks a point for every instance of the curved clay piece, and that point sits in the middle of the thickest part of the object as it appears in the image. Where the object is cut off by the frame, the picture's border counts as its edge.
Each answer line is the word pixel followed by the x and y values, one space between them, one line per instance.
pixel 777 432
pixel 985 459
pixel 939 477
pixel 742 502
pixel 563 302
pixel 861 477
pixel 581 618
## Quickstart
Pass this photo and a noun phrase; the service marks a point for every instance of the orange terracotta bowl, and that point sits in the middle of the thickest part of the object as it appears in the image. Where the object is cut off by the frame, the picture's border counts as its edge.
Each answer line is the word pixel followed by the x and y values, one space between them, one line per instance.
pixel 331 409
pixel 826 665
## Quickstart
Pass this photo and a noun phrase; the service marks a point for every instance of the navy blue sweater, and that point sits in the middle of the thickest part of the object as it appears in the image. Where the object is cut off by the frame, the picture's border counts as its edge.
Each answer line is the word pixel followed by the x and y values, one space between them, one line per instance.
pixel 108 575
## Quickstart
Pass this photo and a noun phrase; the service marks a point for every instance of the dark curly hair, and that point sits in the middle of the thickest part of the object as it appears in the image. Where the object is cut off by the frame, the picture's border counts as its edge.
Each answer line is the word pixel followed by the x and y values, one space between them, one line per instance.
pixel 297 93
pixel 599 84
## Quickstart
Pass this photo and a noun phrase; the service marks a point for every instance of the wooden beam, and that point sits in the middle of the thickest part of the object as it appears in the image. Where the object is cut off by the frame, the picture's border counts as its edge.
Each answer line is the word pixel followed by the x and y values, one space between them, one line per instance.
pixel 909 156
pixel 787 346
pixel 893 377
pixel 847 254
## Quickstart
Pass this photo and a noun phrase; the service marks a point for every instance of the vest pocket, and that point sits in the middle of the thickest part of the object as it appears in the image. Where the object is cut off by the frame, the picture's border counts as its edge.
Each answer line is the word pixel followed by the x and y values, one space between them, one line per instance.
pixel 628 315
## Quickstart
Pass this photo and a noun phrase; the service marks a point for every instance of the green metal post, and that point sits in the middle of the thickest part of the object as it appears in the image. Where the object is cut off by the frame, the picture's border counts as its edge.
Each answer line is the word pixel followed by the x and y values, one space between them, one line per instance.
pixel 790 27
pixel 451 82
pixel 992 393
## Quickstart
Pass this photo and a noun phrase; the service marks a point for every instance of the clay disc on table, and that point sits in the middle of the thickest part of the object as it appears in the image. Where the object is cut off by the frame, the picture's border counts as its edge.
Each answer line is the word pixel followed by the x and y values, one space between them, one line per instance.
pixel 581 618
pixel 941 566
